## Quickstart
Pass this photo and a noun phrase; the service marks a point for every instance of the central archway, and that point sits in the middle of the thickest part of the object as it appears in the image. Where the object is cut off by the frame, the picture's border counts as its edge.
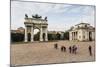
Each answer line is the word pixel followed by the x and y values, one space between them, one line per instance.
pixel 36 34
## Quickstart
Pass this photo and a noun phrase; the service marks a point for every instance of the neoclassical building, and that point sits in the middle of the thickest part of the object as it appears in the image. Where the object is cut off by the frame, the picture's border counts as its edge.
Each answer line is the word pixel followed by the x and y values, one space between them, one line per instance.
pixel 82 32
pixel 35 22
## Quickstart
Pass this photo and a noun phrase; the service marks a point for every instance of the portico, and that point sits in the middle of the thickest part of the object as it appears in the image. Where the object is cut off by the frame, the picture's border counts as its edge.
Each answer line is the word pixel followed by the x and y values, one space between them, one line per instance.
pixel 82 32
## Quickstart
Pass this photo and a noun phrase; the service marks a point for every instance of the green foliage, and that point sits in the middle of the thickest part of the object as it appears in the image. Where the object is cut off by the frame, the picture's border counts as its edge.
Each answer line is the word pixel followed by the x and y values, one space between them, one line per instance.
pixel 54 36
pixel 66 35
pixel 58 36
pixel 17 37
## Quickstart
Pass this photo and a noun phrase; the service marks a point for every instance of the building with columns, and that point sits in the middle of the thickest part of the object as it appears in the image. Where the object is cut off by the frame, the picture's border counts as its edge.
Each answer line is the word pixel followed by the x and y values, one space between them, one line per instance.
pixel 36 22
pixel 82 32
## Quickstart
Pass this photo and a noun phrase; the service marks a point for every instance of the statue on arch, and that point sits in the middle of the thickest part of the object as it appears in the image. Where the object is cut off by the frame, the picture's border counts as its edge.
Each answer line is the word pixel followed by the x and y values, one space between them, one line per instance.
pixel 36 16
pixel 45 18
pixel 26 16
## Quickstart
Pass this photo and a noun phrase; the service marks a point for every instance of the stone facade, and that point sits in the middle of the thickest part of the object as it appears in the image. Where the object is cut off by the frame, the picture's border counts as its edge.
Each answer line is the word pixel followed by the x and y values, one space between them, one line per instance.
pixel 82 32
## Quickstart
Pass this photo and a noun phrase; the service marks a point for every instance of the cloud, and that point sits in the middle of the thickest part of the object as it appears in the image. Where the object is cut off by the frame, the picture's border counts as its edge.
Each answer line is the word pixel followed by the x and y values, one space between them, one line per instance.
pixel 61 16
pixel 41 8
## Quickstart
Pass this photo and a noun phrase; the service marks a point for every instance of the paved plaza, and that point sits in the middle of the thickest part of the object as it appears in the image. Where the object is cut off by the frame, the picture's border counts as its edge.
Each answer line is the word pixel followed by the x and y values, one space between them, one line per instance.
pixel 45 53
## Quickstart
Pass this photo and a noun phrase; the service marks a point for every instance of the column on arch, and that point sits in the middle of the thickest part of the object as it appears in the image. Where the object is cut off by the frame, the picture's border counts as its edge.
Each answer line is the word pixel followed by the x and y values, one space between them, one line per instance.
pixel 25 37
pixel 41 34
pixel 32 34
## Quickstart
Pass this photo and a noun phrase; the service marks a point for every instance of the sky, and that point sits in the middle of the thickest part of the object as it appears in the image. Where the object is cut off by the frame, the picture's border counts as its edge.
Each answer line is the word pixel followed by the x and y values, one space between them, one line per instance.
pixel 60 16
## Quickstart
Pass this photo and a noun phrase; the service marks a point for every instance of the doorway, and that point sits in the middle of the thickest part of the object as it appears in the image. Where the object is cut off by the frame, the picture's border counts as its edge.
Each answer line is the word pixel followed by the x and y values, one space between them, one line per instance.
pixel 29 36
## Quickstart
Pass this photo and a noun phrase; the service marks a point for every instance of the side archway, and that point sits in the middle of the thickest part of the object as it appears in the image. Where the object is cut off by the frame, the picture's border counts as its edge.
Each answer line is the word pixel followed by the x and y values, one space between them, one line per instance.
pixel 36 34
pixel 29 36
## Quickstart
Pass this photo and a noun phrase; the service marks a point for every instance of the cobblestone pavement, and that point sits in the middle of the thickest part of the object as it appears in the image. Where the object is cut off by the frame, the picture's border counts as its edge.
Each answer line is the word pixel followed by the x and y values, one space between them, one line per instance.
pixel 44 53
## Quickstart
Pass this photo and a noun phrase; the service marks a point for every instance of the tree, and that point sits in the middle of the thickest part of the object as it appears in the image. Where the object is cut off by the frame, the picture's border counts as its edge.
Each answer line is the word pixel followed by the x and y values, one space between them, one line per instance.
pixel 17 37
pixel 66 35
pixel 58 36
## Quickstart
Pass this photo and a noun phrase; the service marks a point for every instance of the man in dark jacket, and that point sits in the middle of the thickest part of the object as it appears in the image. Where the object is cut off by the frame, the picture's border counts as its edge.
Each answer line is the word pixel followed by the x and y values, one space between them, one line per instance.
pixel 70 49
pixel 90 50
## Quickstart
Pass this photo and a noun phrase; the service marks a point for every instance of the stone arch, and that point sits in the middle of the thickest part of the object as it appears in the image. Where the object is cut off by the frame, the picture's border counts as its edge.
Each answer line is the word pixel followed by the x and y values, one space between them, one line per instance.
pixel 36 23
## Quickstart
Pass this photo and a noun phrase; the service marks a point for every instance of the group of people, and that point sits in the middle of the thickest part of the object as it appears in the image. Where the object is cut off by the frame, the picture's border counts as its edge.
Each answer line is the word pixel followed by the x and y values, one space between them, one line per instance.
pixel 63 48
pixel 72 49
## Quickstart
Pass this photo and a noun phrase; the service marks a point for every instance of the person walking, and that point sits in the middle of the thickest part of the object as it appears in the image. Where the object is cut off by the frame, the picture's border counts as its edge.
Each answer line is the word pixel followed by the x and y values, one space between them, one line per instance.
pixel 70 49
pixel 90 50
pixel 63 48
pixel 73 49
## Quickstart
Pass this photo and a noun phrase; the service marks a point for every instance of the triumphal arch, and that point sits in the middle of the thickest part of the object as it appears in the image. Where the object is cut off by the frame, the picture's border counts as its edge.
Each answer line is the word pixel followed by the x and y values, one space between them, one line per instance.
pixel 36 22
